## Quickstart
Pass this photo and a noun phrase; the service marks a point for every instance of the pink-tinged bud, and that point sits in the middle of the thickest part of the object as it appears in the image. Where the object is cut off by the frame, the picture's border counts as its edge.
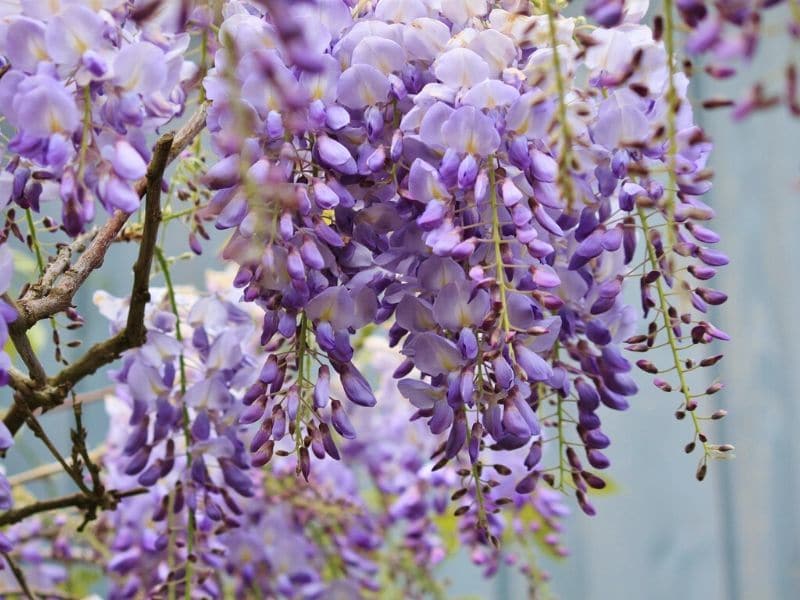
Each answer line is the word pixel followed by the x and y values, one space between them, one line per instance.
pixel 511 194
pixel 324 196
pixel 662 385
pixel 481 187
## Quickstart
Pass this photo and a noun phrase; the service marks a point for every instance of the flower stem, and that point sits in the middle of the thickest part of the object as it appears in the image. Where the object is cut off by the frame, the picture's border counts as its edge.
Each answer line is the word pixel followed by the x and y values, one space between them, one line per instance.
pixel 565 156
pixel 672 339
pixel 162 262
pixel 672 132
pixel 497 240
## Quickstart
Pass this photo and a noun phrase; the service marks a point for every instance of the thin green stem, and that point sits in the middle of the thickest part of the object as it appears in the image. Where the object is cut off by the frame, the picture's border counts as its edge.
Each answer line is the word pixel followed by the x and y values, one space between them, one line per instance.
pixel 672 130
pixel 672 340
pixel 37 249
pixel 87 127
pixel 497 240
pixel 565 157
pixel 302 347
pixel 162 262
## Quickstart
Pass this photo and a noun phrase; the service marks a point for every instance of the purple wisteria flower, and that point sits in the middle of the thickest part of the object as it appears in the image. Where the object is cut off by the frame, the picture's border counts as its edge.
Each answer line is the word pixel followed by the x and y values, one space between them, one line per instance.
pixel 82 94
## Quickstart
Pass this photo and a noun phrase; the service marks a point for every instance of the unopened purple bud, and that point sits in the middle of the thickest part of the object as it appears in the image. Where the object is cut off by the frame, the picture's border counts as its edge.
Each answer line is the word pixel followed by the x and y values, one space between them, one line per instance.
pixel 513 422
pixel 356 387
pixel 457 437
pixel 433 216
pixel 150 475
pixel 396 148
pixel 713 297
pixel 292 403
pixel 714 258
pixel 543 166
pixel 503 374
pixel 467 172
pixel 322 387
pixel 511 194
pixel 278 423
pixel 377 159
pixel 252 413
pixel 236 478
pixel 702 272
pixel 138 461
pixel 628 195
pixel 475 441
pixel 619 163
pixel 518 153
pixel 317 446
pixel 703 234
pixel 527 484
pixel 596 439
pixel 481 187
pixel 588 398
pixel 286 226
pixel 373 117
pixel 329 444
pixel 201 426
pixel 468 343
pixel 545 276
pixel 341 422
pixel 534 456
pixel 597 459
pixel 335 155
pixel 311 254
pixel 295 266
pixel 269 371
pixel 535 367
pixel 584 503
pixel 324 196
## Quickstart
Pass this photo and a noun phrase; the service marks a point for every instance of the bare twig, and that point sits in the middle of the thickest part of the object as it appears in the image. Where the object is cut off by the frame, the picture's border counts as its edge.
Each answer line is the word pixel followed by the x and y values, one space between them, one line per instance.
pixel 78 500
pixel 62 262
pixel 46 470
pixel 23 346
pixel 59 297
pixel 19 576
pixel 49 594
pixel 29 398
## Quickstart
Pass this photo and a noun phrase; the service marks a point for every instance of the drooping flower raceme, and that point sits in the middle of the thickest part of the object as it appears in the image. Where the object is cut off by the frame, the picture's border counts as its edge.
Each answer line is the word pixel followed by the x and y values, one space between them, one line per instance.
pixel 482 178
pixel 264 529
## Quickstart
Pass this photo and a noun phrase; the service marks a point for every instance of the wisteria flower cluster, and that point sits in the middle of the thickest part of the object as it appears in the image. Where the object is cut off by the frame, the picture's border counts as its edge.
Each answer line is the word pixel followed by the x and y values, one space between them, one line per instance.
pixel 83 88
pixel 445 168
pixel 261 530
pixel 454 227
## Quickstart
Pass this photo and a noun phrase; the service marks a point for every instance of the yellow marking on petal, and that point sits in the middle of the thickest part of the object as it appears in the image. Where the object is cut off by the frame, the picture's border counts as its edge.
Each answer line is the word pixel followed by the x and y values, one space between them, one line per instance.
pixel 367 96
pixel 472 144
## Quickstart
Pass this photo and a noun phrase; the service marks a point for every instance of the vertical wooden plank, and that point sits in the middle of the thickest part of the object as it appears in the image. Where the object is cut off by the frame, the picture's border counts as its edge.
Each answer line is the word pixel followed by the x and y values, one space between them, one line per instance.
pixel 757 193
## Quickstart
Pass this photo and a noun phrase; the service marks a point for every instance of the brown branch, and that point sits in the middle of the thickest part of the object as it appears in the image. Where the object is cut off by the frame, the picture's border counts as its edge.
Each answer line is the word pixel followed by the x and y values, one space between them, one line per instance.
pixel 32 308
pixel 62 262
pixel 79 500
pixel 19 575
pixel 134 334
pixel 23 346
